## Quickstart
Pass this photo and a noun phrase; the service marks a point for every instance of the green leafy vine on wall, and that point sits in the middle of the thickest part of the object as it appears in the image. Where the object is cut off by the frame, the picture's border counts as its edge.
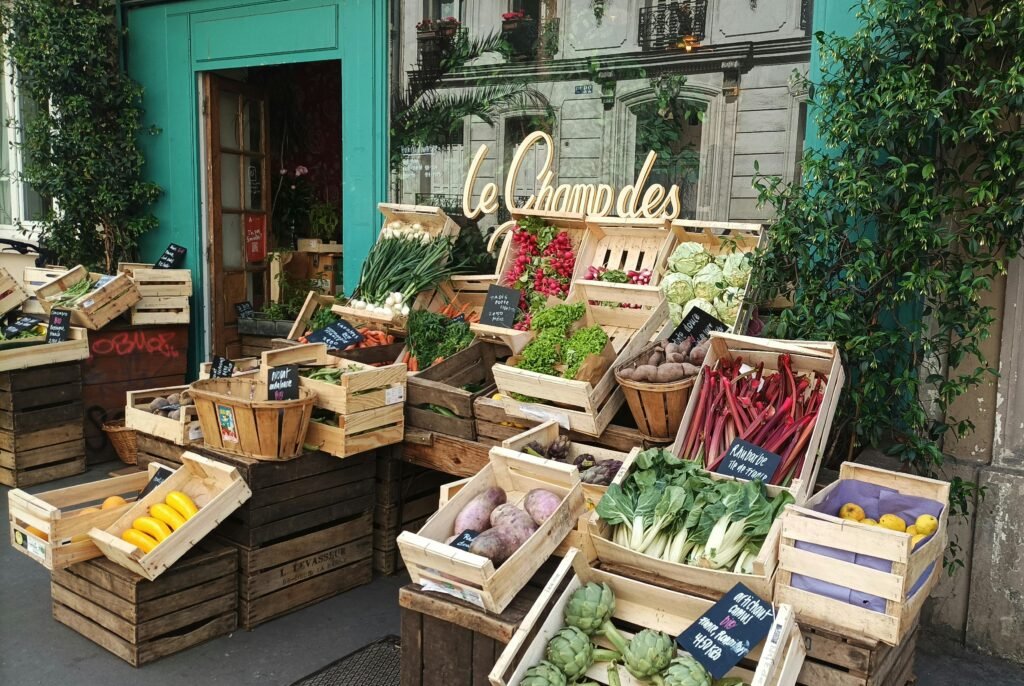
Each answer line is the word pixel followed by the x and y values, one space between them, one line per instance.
pixel 81 149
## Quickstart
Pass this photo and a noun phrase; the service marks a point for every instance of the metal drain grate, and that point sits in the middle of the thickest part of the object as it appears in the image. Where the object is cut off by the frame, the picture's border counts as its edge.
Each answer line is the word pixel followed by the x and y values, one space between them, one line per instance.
pixel 376 664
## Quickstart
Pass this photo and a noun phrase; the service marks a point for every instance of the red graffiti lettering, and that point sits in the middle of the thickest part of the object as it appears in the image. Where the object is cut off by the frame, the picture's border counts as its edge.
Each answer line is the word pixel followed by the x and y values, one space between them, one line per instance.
pixel 133 342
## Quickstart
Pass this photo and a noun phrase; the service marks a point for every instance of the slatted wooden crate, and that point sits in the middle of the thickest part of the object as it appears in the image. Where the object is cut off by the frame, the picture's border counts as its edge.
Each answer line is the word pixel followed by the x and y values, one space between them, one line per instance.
pixel 182 431
pixel 142 621
pixel 160 283
pixel 625 244
pixel 22 353
pixel 448 454
pixel 639 605
pixel 33 278
pixel 161 310
pixel 41 424
pixel 442 385
pixel 12 293
pixel 406 496
pixel 102 304
pixel 843 660
pixel 315 245
pixel 315 302
pixel 244 366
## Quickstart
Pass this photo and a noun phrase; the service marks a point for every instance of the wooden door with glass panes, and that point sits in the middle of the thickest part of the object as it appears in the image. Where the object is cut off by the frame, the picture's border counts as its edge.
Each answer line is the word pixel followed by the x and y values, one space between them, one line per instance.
pixel 238 201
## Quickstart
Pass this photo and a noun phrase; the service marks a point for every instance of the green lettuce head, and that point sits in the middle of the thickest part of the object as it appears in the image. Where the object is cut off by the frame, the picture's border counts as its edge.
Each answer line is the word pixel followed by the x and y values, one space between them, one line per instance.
pixel 706 282
pixel 736 269
pixel 728 303
pixel 678 288
pixel 688 258
pixel 703 304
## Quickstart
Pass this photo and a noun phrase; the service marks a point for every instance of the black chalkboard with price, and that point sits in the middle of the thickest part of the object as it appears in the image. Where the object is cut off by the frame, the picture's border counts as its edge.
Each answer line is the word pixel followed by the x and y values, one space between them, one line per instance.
pixel 172 258
pixel 696 323
pixel 59 328
pixel 500 307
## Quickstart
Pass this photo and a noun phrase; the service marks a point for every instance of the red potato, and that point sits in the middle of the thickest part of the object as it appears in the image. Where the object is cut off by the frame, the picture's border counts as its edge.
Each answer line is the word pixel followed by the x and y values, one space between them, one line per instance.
pixel 476 515
pixel 514 523
pixel 494 544
pixel 541 504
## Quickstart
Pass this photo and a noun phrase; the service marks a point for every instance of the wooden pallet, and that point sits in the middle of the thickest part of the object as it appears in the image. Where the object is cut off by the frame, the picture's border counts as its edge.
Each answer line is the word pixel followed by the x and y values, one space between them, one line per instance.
pixel 161 310
pixel 41 429
pixel 838 660
pixel 142 621
pixel 101 306
pixel 12 293
pixel 303 569
pixel 442 385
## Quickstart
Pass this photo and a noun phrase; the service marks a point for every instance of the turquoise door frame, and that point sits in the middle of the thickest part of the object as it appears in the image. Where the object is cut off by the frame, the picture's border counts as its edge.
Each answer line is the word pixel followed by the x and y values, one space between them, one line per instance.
pixel 170 43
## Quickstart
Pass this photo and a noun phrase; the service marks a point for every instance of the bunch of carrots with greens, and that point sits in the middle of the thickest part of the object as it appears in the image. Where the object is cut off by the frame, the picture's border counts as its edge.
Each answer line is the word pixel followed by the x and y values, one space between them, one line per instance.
pixel 434 337
pixel 775 411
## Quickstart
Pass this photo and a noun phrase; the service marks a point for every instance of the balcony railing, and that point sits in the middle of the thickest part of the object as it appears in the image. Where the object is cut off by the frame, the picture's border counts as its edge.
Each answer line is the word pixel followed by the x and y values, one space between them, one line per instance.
pixel 669 26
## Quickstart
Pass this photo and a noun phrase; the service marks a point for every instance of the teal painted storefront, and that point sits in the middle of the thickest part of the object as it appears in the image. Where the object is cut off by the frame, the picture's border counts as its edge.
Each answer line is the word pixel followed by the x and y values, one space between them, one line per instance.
pixel 170 43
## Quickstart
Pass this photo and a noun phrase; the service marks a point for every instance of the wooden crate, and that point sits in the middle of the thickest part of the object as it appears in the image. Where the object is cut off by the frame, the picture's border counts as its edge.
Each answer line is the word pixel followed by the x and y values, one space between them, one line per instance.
pixel 442 385
pixel 908 565
pixel 58 516
pixel 316 301
pixel 158 283
pixel 448 454
pixel 303 569
pixel 406 496
pixel 41 429
pixel 639 605
pixel 807 357
pixel 244 366
pixel 706 583
pixel 12 293
pixel 101 305
pixel 839 660
pixel 315 245
pixel 142 621
pixel 582 405
pixel 33 278
pixel 216 489
pixel 625 244
pixel 345 435
pixel 475 578
pixel 160 310
pixel 36 352
pixel 182 431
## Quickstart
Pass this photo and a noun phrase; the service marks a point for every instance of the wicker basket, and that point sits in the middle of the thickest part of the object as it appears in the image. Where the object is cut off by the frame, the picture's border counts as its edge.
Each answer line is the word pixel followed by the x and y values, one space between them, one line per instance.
pixel 657 408
pixel 123 440
pixel 237 418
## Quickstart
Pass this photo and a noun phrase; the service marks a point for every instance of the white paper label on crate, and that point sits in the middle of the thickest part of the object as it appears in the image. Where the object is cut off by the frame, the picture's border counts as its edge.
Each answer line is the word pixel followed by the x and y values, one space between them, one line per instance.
pixel 460 593
pixel 36 547
pixel 394 394
pixel 195 432
pixel 87 303
pixel 546 416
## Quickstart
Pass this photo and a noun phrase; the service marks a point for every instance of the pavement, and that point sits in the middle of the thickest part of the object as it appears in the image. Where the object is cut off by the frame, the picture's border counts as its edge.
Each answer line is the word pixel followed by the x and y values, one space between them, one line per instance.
pixel 35 650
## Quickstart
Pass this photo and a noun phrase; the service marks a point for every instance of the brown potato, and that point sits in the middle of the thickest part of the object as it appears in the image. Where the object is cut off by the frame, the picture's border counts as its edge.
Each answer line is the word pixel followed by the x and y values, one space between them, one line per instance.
pixel 645 372
pixel 670 372
pixel 494 544
pixel 656 358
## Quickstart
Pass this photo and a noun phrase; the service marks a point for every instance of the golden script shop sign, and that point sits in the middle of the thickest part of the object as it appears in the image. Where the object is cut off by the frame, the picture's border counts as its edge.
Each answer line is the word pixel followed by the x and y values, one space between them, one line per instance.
pixel 593 199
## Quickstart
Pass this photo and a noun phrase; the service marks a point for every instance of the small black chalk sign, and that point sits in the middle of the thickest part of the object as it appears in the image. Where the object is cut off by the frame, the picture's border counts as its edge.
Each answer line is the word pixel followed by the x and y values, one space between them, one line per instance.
pixel 747 461
pixel 244 310
pixel 696 323
pixel 465 539
pixel 730 629
pixel 172 258
pixel 221 368
pixel 460 318
pixel 283 383
pixel 500 307
pixel 58 329
pixel 337 336
pixel 158 478
pixel 20 325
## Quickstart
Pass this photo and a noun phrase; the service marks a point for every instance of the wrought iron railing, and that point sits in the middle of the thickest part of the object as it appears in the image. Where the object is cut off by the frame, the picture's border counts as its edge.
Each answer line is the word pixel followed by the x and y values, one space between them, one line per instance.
pixel 667 26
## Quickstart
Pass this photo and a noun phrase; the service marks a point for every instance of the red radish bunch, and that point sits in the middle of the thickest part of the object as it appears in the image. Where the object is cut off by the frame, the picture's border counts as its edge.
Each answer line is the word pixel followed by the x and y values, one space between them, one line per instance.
pixel 775 411
pixel 543 264
pixel 640 278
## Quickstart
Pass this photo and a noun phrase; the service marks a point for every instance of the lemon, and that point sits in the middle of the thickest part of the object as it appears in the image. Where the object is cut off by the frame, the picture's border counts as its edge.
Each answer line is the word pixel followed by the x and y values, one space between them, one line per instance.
pixel 851 511
pixel 911 530
pixel 926 524
pixel 869 522
pixel 916 539
pixel 891 521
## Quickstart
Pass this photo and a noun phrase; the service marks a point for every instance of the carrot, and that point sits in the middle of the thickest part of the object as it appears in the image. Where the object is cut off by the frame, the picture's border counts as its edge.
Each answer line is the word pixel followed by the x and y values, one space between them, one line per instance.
pixel 413 365
pixel 439 360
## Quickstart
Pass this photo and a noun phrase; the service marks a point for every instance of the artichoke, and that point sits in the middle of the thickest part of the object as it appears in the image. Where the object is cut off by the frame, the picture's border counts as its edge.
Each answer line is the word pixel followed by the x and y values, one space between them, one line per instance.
pixel 590 610
pixel 649 652
pixel 559 449
pixel 572 652
pixel 543 674
pixel 584 462
pixel 534 448
pixel 686 671
pixel 602 473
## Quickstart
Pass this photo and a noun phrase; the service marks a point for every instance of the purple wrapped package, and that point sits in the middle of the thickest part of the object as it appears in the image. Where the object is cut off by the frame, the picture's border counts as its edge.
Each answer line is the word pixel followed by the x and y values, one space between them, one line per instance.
pixel 876 501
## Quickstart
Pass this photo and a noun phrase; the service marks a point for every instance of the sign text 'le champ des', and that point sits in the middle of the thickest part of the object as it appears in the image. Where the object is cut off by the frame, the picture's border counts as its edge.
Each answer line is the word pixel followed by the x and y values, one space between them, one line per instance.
pixel 594 199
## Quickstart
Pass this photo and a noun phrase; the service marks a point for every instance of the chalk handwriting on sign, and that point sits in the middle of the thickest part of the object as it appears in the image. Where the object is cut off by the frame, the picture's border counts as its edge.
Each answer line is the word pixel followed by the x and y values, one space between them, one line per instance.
pixel 747 461
pixel 337 336
pixel 172 258
pixel 465 539
pixel 283 383
pixel 595 199
pixel 500 307
pixel 729 630
pixel 221 367
pixel 243 310
pixel 696 323
pixel 158 478
pixel 59 328
pixel 20 325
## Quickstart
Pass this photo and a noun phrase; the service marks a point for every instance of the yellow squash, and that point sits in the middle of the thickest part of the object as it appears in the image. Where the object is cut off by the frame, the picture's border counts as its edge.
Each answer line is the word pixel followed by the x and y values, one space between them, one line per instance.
pixel 166 514
pixel 152 526
pixel 137 538
pixel 182 503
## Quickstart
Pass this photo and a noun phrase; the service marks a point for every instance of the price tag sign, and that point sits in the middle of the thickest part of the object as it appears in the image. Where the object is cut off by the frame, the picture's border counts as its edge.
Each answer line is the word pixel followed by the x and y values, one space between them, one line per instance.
pixel 20 325
pixel 747 461
pixel 696 323
pixel 460 318
pixel 221 367
pixel 59 328
pixel 244 310
pixel 337 336
pixel 283 383
pixel 500 307
pixel 103 281
pixel 172 258
pixel 465 539
pixel 161 475
pixel 729 630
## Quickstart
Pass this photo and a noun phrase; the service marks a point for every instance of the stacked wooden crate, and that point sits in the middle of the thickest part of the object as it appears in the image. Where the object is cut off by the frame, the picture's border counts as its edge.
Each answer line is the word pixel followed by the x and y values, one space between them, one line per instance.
pixel 107 298
pixel 304 535
pixel 841 660
pixel 33 278
pixel 165 294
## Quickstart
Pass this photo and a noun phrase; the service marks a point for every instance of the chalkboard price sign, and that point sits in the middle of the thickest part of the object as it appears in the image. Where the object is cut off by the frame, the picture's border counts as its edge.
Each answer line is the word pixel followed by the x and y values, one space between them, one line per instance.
pixel 696 323
pixel 337 336
pixel 500 307
pixel 221 368
pixel 747 461
pixel 59 329
pixel 244 310
pixel 283 383
pixel 158 478
pixel 465 539
pixel 729 630
pixel 172 258
pixel 20 325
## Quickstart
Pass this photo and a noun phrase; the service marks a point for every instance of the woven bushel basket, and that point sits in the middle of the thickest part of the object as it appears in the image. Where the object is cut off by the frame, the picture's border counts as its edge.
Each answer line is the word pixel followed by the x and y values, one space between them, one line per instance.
pixel 657 408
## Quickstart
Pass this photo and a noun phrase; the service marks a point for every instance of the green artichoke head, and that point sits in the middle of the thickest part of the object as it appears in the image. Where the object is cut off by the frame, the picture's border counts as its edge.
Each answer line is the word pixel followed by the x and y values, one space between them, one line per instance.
pixel 686 671
pixel 590 607
pixel 571 651
pixel 729 681
pixel 543 674
pixel 649 653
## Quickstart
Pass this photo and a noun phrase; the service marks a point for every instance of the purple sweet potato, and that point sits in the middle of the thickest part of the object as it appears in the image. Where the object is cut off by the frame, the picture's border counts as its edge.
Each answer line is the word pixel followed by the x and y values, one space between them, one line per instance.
pixel 494 544
pixel 514 523
pixel 541 504
pixel 476 515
